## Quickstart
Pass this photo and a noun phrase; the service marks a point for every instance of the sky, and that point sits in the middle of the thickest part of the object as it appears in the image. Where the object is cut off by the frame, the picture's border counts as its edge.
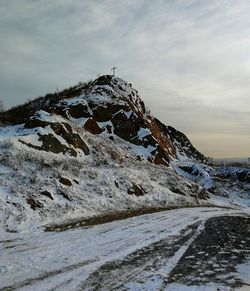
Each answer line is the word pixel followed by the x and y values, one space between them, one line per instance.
pixel 189 59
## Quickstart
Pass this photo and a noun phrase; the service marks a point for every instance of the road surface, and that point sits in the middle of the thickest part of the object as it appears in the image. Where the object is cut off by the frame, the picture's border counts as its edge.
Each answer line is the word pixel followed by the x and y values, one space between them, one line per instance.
pixel 180 249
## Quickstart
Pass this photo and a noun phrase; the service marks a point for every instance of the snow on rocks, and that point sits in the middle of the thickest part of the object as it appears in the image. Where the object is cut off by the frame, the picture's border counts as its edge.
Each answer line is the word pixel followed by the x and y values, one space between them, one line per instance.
pixel 226 186
pixel 33 194
pixel 98 136
pixel 53 134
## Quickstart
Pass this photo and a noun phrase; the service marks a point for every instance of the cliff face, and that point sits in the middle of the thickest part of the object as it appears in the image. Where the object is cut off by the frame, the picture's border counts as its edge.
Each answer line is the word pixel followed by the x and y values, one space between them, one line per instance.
pixel 183 147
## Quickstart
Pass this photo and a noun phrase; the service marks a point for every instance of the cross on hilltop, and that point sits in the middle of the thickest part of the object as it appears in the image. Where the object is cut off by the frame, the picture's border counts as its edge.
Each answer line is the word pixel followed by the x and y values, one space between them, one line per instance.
pixel 113 69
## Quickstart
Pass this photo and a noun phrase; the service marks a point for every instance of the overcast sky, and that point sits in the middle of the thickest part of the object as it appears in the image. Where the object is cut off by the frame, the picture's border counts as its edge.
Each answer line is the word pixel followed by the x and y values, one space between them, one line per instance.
pixel 189 59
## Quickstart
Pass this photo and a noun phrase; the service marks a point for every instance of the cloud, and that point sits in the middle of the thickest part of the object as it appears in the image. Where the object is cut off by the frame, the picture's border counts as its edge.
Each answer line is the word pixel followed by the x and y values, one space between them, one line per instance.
pixel 189 59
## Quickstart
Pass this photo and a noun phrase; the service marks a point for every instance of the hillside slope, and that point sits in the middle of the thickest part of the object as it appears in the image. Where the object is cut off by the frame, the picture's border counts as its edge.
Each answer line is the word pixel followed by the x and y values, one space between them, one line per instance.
pixel 87 151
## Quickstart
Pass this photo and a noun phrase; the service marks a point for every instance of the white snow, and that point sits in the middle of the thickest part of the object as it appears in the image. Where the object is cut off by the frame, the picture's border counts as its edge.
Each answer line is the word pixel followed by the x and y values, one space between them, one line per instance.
pixel 100 183
pixel 143 132
pixel 201 172
pixel 51 259
pixel 207 287
pixel 73 101
pixel 128 114
pixel 31 171
pixel 142 151
pixel 244 272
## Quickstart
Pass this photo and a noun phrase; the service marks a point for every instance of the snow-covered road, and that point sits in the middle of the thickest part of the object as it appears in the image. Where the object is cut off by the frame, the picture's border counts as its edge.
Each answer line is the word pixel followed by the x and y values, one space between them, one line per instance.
pixel 105 256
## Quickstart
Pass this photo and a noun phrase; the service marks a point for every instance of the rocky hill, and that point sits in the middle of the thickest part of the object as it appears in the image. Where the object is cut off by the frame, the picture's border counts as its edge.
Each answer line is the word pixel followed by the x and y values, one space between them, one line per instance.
pixel 88 151
pixel 106 106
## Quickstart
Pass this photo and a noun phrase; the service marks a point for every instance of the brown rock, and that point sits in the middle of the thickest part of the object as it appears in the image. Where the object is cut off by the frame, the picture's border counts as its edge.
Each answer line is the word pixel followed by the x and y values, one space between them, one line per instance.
pixel 161 158
pixel 79 110
pixel 34 204
pixel 65 181
pixel 103 80
pixel 126 128
pixel 33 122
pixel 48 194
pixel 51 144
pixel 136 190
pixel 92 126
pixel 102 113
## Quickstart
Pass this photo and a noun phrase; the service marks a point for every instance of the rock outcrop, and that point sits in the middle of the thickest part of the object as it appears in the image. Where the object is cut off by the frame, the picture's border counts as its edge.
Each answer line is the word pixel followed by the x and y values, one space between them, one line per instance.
pixel 106 106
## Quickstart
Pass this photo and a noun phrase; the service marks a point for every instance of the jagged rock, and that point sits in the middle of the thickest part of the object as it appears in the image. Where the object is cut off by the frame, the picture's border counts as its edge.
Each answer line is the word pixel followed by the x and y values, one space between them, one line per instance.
pixel 71 138
pixel 177 190
pixel 181 142
pixel 34 122
pixel 164 144
pixel 161 158
pixel 105 112
pixel 51 142
pixel 235 174
pixel 103 80
pixel 47 194
pixel 127 127
pixel 203 194
pixel 116 156
pixel 136 190
pixel 34 204
pixel 79 110
pixel 189 170
pixel 92 126
pixel 102 113
pixel 244 176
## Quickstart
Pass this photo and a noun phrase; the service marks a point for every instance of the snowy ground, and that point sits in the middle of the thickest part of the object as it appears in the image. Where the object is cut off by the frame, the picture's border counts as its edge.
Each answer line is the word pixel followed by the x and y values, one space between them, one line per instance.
pixel 32 196
pixel 138 253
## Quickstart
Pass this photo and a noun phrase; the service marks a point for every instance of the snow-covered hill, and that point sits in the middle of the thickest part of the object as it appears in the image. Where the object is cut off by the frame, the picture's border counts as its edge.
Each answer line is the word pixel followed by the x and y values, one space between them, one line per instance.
pixel 91 150
pixel 107 106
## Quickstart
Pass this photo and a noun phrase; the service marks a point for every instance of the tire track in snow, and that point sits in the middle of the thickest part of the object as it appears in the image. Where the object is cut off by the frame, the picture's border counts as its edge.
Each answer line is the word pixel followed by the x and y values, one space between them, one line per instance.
pixel 46 275
pixel 115 274
pixel 71 258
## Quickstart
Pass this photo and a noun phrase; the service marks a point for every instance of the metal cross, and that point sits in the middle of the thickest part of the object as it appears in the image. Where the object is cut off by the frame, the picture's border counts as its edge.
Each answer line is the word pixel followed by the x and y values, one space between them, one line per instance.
pixel 113 69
